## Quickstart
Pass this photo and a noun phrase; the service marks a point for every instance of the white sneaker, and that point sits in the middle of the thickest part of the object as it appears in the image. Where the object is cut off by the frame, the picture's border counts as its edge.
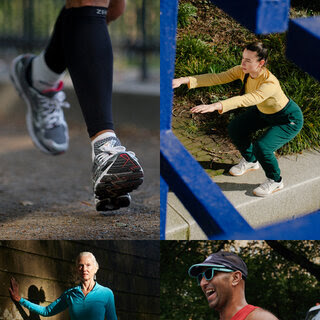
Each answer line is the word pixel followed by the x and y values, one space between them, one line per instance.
pixel 243 167
pixel 268 187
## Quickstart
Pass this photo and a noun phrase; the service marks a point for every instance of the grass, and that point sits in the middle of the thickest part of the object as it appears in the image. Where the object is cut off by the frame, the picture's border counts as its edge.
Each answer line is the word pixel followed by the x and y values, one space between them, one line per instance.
pixel 214 43
pixel 185 14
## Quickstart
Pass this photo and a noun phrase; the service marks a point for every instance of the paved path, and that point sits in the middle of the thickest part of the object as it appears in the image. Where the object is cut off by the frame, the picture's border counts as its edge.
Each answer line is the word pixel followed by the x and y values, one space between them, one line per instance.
pixel 50 197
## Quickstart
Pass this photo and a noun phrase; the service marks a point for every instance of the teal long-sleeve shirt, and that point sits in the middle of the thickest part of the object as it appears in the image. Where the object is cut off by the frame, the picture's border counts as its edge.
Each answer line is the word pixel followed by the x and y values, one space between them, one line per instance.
pixel 98 304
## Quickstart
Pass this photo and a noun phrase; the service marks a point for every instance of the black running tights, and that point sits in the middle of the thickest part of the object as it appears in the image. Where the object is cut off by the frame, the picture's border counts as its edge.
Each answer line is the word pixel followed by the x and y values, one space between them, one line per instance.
pixel 80 42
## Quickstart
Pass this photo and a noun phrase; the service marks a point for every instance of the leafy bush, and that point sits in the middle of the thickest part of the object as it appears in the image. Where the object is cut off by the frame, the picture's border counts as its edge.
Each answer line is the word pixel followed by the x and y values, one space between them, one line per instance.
pixel 185 13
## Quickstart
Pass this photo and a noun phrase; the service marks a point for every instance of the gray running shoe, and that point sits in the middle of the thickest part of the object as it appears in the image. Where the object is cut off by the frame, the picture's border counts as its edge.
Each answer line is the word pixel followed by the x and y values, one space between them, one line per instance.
pixel 115 173
pixel 45 120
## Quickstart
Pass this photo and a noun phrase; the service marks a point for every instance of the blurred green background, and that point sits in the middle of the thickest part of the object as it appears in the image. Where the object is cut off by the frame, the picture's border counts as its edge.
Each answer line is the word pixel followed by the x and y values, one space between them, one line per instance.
pixel 26 25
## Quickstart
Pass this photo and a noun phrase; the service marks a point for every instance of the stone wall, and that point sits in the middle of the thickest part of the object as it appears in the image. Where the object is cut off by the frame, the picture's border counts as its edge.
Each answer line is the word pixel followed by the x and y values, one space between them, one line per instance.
pixel 44 269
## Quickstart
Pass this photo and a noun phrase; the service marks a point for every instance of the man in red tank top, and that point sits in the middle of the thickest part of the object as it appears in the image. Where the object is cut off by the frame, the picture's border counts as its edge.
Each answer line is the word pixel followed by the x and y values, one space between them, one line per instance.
pixel 222 279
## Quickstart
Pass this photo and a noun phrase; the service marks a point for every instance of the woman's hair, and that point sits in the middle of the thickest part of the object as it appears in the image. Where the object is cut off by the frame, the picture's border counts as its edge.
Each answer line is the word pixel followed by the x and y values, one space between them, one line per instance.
pixel 86 253
pixel 258 47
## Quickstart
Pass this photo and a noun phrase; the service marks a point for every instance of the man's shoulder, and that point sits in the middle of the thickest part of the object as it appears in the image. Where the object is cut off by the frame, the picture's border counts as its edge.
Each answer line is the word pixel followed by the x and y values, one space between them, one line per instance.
pixel 261 314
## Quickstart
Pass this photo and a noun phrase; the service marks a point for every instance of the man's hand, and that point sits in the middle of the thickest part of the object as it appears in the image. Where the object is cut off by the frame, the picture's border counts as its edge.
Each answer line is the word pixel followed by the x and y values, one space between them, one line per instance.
pixel 204 108
pixel 14 290
pixel 115 9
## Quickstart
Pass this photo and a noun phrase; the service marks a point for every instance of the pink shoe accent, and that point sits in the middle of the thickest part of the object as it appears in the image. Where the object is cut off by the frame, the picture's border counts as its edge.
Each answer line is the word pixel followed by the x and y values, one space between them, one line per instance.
pixel 126 157
pixel 57 89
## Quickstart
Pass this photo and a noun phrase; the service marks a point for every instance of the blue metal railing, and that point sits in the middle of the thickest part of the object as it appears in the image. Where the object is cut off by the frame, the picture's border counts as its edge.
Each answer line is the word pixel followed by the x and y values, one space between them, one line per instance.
pixel 182 173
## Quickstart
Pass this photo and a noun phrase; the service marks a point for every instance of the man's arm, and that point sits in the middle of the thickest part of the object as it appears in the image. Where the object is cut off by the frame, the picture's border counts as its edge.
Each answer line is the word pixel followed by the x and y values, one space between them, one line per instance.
pixel 115 9
pixel 261 314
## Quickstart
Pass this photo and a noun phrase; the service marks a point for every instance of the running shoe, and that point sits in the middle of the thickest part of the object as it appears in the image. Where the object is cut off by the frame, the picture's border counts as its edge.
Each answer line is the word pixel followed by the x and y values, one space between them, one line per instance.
pixel 109 204
pixel 268 187
pixel 115 173
pixel 243 167
pixel 45 119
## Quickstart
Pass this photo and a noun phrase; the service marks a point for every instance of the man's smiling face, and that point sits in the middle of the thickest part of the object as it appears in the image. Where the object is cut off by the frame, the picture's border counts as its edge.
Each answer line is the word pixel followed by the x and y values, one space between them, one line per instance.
pixel 218 289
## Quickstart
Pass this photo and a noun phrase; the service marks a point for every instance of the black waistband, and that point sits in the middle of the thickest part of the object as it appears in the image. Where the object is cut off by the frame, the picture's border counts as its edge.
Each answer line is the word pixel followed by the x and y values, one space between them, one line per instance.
pixel 88 11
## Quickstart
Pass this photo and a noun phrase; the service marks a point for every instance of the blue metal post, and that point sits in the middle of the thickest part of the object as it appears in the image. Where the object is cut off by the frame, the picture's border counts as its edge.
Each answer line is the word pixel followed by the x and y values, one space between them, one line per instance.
pixel 168 24
pixel 199 194
pixel 303 44
pixel 259 16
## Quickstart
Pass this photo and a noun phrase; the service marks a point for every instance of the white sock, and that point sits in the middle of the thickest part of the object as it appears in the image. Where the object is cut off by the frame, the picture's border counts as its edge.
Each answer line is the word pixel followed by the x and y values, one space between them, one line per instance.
pixel 43 78
pixel 101 137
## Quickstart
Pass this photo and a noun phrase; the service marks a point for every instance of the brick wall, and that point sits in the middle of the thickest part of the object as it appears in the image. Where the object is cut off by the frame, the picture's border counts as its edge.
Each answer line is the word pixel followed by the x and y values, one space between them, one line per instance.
pixel 45 269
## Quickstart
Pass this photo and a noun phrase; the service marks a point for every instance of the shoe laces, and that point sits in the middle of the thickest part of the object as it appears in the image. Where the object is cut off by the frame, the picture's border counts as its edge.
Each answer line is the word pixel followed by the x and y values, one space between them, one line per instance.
pixel 51 109
pixel 107 151
pixel 267 184
pixel 242 164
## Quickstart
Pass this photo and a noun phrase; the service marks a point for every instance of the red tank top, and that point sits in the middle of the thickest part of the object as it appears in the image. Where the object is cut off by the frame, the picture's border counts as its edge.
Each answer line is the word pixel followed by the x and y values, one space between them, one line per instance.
pixel 244 312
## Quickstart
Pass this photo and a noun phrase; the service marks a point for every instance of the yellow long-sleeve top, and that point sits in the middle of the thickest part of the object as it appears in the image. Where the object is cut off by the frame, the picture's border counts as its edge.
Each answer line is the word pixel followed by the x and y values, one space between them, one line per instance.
pixel 264 91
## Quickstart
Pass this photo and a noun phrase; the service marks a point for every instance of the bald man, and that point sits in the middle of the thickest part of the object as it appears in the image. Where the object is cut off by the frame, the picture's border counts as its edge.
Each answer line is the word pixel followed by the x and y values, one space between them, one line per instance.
pixel 222 279
pixel 80 43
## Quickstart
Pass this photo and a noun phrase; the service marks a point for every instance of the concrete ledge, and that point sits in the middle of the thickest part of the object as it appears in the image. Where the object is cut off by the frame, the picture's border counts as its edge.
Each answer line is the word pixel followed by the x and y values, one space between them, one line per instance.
pixel 301 175
pixel 184 226
pixel 179 228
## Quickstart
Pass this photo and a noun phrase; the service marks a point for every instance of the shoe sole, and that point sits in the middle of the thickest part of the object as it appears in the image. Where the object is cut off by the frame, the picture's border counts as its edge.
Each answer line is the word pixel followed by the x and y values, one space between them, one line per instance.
pixel 19 89
pixel 113 185
pixel 113 204
pixel 269 194
pixel 238 175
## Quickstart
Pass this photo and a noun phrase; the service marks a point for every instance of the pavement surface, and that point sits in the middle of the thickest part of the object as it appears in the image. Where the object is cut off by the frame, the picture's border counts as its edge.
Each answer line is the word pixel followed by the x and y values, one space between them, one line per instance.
pixel 50 197
pixel 300 196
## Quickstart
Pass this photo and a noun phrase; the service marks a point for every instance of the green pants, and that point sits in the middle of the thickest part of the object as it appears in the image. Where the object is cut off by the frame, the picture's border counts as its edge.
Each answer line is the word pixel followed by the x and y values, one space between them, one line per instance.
pixel 283 127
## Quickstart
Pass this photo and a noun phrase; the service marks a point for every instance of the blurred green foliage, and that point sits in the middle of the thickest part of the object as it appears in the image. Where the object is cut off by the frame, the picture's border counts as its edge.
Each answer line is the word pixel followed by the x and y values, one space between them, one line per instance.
pixel 28 24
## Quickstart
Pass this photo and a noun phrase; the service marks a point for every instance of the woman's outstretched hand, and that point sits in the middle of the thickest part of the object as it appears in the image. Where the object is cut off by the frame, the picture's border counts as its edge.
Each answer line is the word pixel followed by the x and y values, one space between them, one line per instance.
pixel 176 83
pixel 14 290
pixel 204 108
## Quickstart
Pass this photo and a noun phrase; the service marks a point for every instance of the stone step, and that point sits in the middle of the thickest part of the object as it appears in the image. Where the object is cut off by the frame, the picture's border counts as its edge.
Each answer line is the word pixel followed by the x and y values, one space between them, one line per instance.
pixel 301 176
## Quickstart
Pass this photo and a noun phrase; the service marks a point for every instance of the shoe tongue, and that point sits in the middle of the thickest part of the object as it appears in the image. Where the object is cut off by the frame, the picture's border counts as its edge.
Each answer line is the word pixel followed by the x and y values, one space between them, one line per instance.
pixel 60 96
pixel 109 142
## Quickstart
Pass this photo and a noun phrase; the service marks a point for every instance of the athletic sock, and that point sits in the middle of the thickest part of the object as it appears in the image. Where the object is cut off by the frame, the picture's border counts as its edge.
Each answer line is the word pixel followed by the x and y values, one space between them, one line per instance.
pixel 41 76
pixel 102 136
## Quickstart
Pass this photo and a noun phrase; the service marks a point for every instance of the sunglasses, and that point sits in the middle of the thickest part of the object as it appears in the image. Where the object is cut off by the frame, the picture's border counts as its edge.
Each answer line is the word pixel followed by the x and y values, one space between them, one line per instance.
pixel 208 274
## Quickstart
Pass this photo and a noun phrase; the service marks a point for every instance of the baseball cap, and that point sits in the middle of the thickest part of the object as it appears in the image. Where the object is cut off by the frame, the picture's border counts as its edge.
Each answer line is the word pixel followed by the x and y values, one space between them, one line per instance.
pixel 222 259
